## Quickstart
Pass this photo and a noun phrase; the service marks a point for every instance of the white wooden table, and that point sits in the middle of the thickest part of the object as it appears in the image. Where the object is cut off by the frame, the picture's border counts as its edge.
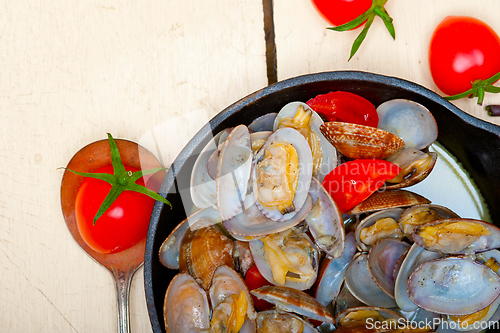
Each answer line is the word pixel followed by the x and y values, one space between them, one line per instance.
pixel 70 71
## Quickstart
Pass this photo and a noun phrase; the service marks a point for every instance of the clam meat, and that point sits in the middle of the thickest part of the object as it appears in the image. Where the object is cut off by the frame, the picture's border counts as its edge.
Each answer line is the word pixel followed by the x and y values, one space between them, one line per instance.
pixel 287 258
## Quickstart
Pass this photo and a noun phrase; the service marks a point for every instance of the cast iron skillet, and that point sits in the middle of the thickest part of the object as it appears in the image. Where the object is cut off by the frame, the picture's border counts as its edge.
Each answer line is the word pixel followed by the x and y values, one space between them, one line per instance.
pixel 475 143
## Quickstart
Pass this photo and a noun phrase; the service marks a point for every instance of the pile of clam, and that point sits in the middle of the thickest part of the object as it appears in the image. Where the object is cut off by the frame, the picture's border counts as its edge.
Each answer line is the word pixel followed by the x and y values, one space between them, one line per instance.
pixel 392 260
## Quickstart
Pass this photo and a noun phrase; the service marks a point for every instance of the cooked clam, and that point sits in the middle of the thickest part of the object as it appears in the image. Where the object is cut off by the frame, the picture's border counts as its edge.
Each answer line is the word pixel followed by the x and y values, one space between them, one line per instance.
pixel 258 139
pixel 243 259
pixel 252 223
pixel 388 199
pixel 360 141
pixel 415 166
pixel 415 256
pixel 362 286
pixel 476 320
pixel 263 123
pixel 233 172
pixel 293 300
pixel 325 221
pixel 377 226
pixel 170 248
pixel 282 322
pixel 331 272
pixel 354 319
pixel 287 258
pixel 490 259
pixel 346 300
pixel 203 250
pixel 301 117
pixel 202 185
pixel 453 285
pixel 230 300
pixel 382 260
pixel 457 236
pixel 186 307
pixel 282 174
pixel 420 214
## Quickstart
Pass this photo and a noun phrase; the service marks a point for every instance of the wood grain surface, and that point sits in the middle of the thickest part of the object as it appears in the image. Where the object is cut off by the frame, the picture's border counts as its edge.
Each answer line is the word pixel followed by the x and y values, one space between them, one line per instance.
pixel 304 45
pixel 152 72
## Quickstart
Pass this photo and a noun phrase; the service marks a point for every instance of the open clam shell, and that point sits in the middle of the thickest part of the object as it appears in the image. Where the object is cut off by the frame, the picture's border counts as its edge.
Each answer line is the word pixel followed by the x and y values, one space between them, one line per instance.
pixel 251 223
pixel 258 139
pixel 481 323
pixel 293 300
pixel 202 185
pixel 416 255
pixel 453 285
pixel 359 141
pixel 282 322
pixel 382 260
pixel 327 154
pixel 233 172
pixel 186 306
pixel 170 248
pixel 263 123
pixel 305 168
pixel 331 272
pixel 203 250
pixel 415 167
pixel 346 300
pixel 297 247
pixel 409 120
pixel 469 236
pixel 493 255
pixel 362 286
pixel 370 220
pixel 325 221
pixel 227 282
pixel 420 214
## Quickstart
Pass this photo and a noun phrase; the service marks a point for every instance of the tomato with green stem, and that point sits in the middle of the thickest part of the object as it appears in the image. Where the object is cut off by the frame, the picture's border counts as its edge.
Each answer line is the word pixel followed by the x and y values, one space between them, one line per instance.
pixel 113 207
pixel 347 15
pixel 339 12
pixel 464 55
pixel 125 222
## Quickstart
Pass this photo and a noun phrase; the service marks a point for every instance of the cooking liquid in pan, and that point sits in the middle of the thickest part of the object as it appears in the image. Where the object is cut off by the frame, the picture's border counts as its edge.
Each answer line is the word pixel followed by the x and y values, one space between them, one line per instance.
pixel 450 185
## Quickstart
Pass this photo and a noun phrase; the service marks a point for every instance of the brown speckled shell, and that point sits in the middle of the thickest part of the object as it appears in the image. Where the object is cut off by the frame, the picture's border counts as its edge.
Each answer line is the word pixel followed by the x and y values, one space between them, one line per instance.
pixel 388 199
pixel 202 251
pixel 359 141
pixel 290 299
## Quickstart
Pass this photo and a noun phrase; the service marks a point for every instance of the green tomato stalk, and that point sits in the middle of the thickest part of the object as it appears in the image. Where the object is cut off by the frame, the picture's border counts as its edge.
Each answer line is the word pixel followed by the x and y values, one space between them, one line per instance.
pixel 376 9
pixel 121 180
pixel 479 88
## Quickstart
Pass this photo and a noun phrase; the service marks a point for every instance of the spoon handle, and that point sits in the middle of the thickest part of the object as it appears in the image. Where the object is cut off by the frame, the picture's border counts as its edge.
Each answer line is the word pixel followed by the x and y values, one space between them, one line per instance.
pixel 123 280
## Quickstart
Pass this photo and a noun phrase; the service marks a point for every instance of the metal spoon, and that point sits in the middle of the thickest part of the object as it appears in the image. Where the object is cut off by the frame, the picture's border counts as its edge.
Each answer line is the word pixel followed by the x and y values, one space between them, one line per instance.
pixel 124 264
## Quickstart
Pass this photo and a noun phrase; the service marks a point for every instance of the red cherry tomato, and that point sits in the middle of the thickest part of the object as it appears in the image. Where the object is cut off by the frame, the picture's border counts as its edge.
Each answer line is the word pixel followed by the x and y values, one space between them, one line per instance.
pixel 123 225
pixel 339 12
pixel 346 107
pixel 255 280
pixel 462 50
pixel 352 182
